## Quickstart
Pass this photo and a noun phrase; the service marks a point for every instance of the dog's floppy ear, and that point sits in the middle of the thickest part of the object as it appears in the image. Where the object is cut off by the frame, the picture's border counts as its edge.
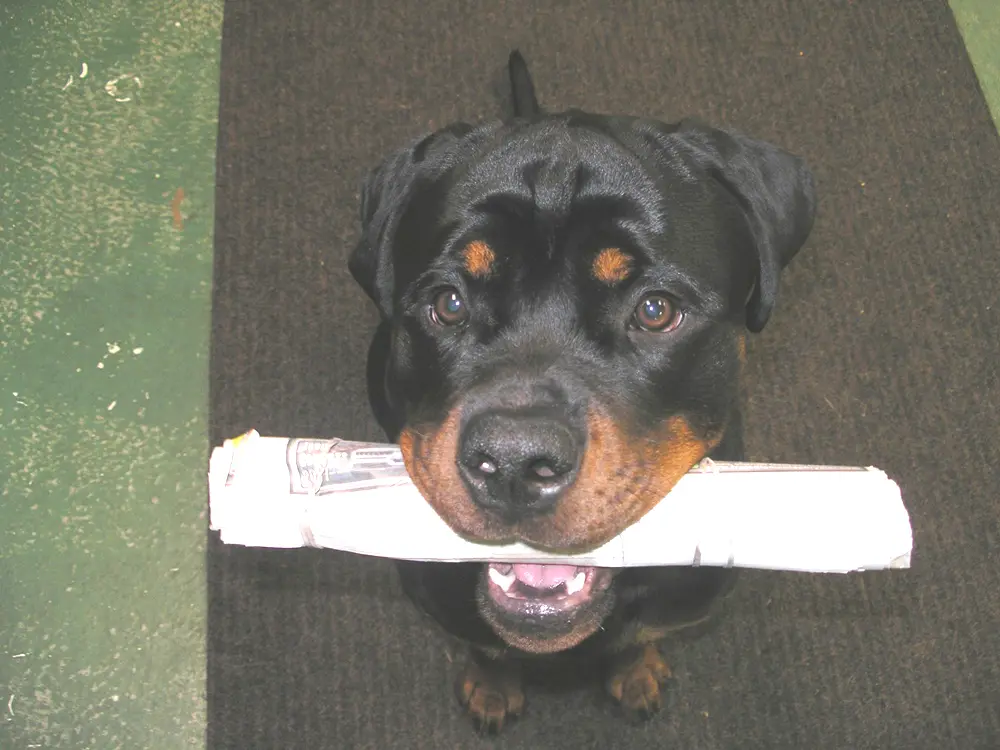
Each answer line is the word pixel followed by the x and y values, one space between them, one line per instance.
pixel 776 193
pixel 384 196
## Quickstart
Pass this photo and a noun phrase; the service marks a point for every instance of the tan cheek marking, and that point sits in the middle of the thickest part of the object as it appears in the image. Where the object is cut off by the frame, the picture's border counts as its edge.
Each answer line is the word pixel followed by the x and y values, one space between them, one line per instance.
pixel 611 266
pixel 621 478
pixel 479 258
pixel 741 344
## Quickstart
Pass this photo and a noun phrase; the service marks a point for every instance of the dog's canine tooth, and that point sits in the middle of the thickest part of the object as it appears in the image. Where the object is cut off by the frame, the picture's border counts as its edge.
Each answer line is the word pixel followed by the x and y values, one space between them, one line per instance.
pixel 501 580
pixel 576 583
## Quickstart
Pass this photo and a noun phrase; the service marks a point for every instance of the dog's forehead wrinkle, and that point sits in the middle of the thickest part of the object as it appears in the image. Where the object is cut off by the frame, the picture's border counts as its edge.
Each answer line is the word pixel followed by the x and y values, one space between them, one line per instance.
pixel 552 161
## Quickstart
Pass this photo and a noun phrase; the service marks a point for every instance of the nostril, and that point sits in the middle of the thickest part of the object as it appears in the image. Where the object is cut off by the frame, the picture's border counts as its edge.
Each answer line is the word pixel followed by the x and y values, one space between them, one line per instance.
pixel 482 464
pixel 543 470
pixel 486 465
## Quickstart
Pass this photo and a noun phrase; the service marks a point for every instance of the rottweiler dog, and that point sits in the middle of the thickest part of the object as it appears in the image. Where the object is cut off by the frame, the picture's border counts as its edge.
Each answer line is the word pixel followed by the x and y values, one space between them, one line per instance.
pixel 564 306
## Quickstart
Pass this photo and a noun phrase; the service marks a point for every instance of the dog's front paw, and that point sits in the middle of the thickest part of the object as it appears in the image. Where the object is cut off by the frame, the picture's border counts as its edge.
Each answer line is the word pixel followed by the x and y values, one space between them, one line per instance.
pixel 491 692
pixel 635 680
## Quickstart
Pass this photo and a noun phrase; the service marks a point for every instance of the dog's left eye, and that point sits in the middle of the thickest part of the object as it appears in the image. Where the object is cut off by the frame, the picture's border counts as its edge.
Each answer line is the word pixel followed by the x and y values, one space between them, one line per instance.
pixel 449 309
pixel 656 313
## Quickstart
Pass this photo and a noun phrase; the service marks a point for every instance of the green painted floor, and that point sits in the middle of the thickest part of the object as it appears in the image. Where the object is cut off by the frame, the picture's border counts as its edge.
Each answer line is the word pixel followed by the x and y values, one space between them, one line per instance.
pixel 979 22
pixel 104 323
pixel 108 110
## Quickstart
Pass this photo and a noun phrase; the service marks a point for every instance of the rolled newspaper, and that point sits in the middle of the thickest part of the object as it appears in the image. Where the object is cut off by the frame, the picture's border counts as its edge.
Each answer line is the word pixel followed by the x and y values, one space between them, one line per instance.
pixel 357 497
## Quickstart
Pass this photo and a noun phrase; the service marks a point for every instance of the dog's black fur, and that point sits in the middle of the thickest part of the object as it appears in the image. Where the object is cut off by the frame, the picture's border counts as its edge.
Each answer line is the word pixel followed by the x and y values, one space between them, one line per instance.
pixel 516 266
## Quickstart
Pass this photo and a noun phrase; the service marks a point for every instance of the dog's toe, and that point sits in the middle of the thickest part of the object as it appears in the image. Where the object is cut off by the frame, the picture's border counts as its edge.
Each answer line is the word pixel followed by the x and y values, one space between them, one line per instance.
pixel 635 681
pixel 491 692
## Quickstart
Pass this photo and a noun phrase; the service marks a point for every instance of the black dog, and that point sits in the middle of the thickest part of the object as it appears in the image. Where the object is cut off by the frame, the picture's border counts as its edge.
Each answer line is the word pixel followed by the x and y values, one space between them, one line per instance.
pixel 565 299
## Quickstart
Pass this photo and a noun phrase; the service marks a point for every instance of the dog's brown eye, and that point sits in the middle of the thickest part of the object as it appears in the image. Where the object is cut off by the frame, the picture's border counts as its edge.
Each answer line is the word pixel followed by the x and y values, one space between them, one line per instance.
pixel 449 308
pixel 656 313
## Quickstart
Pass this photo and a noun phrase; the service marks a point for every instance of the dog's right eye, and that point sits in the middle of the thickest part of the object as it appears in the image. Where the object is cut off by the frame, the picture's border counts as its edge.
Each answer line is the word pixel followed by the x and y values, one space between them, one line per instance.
pixel 449 308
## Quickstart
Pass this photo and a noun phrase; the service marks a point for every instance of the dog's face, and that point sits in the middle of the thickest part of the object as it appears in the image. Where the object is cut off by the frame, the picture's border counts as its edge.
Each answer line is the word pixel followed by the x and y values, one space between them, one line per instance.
pixel 567 301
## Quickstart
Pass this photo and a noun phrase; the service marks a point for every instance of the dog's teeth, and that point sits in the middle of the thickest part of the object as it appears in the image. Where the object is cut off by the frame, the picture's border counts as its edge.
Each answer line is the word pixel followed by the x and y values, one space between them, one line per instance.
pixel 576 584
pixel 501 580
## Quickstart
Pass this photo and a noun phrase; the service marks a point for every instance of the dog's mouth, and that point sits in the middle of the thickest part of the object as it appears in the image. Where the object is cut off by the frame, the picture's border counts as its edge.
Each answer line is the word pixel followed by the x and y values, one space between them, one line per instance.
pixel 539 591
pixel 544 608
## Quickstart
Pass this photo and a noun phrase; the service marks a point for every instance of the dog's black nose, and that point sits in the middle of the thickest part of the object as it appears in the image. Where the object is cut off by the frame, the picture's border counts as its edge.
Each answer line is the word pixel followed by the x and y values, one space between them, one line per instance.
pixel 518 463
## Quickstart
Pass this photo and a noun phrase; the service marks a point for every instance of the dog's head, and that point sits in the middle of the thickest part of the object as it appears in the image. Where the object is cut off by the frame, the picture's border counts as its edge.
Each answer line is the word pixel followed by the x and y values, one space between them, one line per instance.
pixel 567 299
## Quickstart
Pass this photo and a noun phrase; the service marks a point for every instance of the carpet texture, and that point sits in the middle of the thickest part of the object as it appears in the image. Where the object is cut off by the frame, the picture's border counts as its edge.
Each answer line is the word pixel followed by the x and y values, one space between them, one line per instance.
pixel 883 351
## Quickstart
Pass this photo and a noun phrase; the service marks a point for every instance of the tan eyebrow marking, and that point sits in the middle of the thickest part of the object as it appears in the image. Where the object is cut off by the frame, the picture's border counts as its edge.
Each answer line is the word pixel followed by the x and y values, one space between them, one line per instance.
pixel 611 266
pixel 479 258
